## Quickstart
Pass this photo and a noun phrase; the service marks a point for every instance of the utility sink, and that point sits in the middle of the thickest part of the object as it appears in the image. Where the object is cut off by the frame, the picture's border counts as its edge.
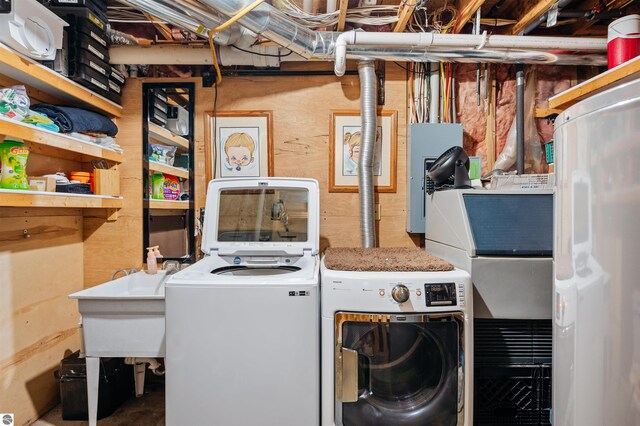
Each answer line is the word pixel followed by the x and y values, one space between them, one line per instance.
pixel 124 317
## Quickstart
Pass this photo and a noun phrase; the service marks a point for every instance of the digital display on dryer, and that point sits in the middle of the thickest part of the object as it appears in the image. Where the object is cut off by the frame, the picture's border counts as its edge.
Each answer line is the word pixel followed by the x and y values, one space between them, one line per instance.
pixel 440 294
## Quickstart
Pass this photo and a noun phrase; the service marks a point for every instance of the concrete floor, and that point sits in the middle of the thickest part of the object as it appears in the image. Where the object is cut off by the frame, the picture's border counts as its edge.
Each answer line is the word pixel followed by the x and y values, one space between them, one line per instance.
pixel 147 410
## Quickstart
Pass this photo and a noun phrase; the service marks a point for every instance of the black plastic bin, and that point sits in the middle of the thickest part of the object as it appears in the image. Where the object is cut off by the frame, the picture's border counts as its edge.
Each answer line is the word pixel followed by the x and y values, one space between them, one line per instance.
pixel 116 386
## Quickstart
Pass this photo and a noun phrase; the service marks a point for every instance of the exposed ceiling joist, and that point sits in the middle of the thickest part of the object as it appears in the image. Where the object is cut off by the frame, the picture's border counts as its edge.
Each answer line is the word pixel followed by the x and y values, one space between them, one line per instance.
pixel 342 17
pixel 581 27
pixel 405 15
pixel 531 15
pixel 466 9
pixel 160 26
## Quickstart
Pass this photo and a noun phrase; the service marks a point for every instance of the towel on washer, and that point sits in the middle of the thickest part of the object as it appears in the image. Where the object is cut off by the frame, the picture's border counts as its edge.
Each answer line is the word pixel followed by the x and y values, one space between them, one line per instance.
pixel 387 259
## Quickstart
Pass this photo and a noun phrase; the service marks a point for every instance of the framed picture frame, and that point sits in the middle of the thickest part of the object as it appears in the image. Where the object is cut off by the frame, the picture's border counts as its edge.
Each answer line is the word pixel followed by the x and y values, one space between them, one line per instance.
pixel 344 149
pixel 239 144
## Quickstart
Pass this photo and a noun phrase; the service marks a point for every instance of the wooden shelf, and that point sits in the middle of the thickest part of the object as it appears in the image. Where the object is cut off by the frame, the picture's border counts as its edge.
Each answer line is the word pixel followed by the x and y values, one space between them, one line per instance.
pixel 165 136
pixel 170 170
pixel 54 144
pixel 39 77
pixel 17 198
pixel 546 112
pixel 169 205
pixel 613 77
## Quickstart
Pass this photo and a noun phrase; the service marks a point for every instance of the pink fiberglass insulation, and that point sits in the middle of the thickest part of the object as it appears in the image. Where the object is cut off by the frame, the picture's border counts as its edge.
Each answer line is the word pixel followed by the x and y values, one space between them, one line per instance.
pixel 551 80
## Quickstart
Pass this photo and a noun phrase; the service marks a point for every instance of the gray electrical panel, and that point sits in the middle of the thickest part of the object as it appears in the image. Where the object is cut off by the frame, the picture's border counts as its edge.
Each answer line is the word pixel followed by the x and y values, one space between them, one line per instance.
pixel 426 142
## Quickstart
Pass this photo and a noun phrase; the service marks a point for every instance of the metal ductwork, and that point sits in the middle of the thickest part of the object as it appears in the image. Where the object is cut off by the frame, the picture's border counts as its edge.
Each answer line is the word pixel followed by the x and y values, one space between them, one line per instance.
pixel 188 15
pixel 196 16
pixel 368 114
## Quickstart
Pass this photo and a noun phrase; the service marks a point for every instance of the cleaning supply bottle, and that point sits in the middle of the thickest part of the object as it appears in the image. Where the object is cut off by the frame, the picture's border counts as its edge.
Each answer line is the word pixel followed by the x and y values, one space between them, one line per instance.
pixel 152 265
pixel 157 184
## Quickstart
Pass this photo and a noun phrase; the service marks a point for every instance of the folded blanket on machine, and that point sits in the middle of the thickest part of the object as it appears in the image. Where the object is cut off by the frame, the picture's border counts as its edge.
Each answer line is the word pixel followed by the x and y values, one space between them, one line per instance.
pixel 71 119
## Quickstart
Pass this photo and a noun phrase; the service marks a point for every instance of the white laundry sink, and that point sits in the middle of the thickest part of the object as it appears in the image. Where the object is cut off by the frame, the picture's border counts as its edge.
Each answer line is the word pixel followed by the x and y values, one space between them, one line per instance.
pixel 124 317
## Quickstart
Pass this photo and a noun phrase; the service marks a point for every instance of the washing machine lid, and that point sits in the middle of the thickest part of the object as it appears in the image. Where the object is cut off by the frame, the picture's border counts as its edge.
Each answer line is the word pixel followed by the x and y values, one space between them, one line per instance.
pixel 262 217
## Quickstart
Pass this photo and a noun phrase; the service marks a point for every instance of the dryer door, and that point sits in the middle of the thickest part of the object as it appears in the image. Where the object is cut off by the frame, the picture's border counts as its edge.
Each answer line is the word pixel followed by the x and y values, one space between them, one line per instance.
pixel 399 369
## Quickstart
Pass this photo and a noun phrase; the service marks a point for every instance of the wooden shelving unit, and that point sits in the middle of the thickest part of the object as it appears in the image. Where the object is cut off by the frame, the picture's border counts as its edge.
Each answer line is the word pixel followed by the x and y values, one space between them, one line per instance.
pixel 169 205
pixel 58 145
pixel 615 76
pixel 164 136
pixel 17 198
pixel 45 80
pixel 170 170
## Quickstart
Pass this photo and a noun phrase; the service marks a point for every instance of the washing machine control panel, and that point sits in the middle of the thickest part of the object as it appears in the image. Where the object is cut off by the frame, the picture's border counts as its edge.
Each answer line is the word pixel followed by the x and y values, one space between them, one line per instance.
pixel 400 293
pixel 441 294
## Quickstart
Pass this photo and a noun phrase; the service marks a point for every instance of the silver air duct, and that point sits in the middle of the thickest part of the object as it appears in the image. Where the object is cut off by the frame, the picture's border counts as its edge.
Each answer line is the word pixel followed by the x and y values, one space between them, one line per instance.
pixel 367 144
pixel 278 27
pixel 188 15
pixel 193 15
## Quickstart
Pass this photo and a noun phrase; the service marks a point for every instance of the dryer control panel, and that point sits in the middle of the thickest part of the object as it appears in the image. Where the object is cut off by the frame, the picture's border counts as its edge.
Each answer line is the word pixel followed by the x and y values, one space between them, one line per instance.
pixel 440 294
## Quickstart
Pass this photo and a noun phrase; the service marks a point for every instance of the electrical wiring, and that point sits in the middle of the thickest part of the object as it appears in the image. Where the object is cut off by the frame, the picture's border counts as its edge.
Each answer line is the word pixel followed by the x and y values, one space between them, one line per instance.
pixel 365 15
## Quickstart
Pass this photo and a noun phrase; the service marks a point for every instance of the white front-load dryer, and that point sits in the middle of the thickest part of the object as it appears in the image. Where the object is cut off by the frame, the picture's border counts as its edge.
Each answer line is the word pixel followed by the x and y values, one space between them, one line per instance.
pixel 396 348
pixel 242 324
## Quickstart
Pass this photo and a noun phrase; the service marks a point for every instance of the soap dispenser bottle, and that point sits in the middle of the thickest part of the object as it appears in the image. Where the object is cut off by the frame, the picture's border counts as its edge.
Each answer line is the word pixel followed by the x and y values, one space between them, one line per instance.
pixel 152 265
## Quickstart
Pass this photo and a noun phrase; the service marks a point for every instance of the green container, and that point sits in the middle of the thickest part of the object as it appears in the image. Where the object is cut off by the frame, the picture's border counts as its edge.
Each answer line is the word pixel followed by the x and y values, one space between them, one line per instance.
pixel 157 186
pixel 548 150
pixel 13 160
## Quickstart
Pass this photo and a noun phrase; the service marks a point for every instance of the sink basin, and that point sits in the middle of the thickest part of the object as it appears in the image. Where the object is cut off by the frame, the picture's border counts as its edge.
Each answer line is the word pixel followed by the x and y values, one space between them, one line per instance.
pixel 137 286
pixel 124 317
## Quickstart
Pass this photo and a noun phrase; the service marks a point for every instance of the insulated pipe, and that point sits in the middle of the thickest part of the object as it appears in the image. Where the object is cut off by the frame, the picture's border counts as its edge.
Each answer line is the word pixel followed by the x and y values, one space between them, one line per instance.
pixel 479 42
pixel 188 15
pixel 434 89
pixel 520 119
pixel 367 143
pixel 278 27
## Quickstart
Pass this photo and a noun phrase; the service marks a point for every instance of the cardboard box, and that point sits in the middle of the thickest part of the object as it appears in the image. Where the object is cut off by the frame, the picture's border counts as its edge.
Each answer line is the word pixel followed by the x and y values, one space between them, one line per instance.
pixel 106 182
pixel 42 183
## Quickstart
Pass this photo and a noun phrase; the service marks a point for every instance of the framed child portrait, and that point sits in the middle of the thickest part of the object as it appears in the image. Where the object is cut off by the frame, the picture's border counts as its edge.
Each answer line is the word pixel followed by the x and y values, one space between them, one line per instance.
pixel 345 136
pixel 239 144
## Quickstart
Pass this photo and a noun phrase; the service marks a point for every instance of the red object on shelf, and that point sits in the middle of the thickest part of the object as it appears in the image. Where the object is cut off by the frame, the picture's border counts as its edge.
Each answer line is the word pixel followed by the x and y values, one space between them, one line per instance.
pixel 623 40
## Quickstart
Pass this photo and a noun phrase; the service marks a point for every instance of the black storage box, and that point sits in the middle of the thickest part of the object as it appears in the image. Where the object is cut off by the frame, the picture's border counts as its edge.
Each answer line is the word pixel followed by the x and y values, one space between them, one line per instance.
pixel 80 43
pixel 115 93
pixel 117 77
pixel 89 78
pixel 116 386
pixel 95 5
pixel 82 16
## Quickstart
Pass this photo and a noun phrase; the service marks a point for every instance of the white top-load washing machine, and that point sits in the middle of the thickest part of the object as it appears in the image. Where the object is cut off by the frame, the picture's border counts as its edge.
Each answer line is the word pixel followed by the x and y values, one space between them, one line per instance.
pixel 396 348
pixel 243 323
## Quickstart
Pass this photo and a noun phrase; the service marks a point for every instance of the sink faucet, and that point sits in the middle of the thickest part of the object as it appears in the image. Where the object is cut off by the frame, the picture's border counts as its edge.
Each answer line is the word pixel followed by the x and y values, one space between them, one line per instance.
pixel 124 271
pixel 171 265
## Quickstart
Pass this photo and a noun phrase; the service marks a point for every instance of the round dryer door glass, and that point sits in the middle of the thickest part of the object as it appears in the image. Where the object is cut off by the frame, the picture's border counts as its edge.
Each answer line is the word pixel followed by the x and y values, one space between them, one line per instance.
pixel 404 370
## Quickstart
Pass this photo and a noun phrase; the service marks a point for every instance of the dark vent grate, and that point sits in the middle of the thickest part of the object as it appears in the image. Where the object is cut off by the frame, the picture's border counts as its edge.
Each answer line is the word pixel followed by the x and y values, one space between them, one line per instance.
pixel 498 341
pixel 512 396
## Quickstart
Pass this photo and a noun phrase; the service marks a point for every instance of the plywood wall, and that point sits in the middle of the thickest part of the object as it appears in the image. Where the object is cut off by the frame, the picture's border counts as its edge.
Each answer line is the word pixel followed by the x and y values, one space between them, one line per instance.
pixel 38 323
pixel 113 245
pixel 301 108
